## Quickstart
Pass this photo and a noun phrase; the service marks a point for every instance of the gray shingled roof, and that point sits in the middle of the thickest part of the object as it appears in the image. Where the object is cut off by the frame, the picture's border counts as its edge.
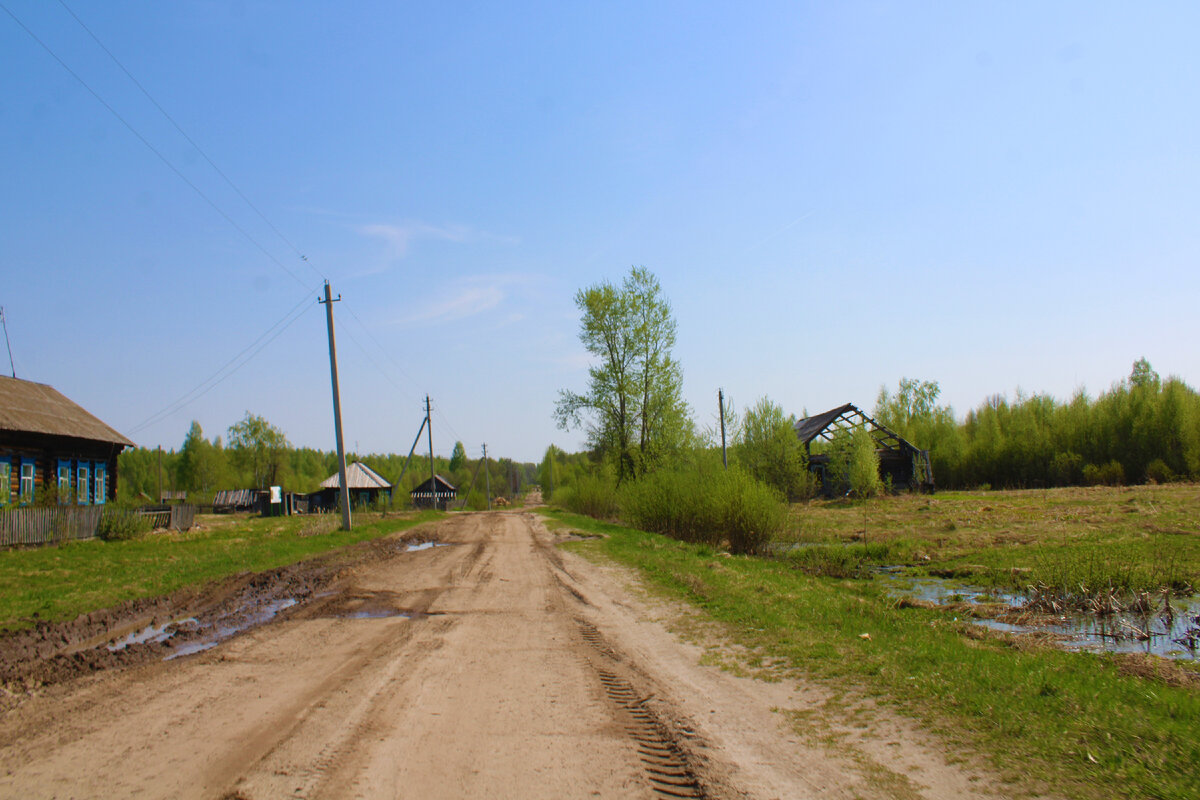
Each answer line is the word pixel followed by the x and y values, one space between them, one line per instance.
pixel 358 476
pixel 29 407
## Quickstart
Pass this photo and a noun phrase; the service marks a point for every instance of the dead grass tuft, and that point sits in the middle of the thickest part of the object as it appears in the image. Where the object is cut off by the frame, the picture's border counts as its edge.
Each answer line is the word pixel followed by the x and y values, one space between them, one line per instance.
pixel 1163 670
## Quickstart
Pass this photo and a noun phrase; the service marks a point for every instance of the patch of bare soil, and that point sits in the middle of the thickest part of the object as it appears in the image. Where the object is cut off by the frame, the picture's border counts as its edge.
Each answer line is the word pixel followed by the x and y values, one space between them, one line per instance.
pixel 494 665
pixel 191 619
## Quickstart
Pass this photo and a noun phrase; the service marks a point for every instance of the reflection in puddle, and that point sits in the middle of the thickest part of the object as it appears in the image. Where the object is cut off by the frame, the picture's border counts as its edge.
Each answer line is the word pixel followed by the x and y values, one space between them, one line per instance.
pixel 376 613
pixel 222 628
pixel 153 633
pixel 1174 635
pixel 426 546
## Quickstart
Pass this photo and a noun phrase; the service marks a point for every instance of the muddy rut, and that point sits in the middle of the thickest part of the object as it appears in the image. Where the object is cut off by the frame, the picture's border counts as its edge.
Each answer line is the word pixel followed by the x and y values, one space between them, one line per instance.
pixel 490 665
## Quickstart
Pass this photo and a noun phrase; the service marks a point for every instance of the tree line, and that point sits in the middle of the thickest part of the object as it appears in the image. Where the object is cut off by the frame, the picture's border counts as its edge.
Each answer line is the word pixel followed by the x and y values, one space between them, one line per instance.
pixel 1143 429
pixel 255 454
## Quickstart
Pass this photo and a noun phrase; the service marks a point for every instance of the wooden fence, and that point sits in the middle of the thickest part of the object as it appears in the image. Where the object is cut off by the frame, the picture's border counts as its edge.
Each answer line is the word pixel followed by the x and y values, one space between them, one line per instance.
pixel 32 526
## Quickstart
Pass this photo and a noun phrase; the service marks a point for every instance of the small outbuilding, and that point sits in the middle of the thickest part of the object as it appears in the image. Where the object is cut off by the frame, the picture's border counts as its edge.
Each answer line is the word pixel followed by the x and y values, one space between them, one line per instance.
pixel 365 484
pixel 436 492
pixel 49 444
pixel 901 463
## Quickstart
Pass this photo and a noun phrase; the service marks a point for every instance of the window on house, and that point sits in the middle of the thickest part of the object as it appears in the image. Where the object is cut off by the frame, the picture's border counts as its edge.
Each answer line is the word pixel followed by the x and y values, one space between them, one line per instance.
pixel 5 481
pixel 64 481
pixel 27 472
pixel 101 484
pixel 81 488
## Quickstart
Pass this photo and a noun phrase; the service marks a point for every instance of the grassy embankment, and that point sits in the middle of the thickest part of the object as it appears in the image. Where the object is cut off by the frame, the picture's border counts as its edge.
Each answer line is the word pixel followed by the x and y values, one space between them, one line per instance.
pixel 1077 724
pixel 61 582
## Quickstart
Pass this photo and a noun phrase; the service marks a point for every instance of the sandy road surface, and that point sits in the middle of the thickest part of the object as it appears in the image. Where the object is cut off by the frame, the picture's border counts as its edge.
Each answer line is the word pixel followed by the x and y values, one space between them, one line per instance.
pixel 495 666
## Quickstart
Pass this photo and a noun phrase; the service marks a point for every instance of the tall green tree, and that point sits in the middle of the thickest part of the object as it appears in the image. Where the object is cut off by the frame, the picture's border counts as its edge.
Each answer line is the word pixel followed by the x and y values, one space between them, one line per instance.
pixel 201 465
pixel 633 409
pixel 458 457
pixel 259 449
pixel 767 447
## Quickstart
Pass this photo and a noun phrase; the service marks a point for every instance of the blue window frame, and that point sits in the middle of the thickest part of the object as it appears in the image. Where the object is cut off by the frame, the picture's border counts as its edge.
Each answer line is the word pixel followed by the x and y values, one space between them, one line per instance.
pixel 100 479
pixel 28 474
pixel 64 480
pixel 5 481
pixel 83 484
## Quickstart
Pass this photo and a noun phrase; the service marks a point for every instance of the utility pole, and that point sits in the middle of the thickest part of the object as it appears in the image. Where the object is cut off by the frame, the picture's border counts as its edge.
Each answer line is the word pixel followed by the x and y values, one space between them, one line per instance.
pixel 429 433
pixel 4 322
pixel 721 402
pixel 337 406
pixel 159 500
pixel 487 478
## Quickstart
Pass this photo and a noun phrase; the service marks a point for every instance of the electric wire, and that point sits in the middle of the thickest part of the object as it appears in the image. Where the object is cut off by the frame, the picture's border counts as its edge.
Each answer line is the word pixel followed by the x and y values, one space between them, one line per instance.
pixel 204 387
pixel 190 140
pixel 155 150
pixel 230 367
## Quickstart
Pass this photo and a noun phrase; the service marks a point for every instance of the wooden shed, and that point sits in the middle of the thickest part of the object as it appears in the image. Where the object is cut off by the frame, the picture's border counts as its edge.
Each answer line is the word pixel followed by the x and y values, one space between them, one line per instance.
pixel 51 446
pixel 435 492
pixel 903 463
pixel 365 485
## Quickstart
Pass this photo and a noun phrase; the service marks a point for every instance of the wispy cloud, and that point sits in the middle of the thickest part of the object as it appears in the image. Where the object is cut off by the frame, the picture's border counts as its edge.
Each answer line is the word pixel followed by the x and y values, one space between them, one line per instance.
pixel 467 297
pixel 400 237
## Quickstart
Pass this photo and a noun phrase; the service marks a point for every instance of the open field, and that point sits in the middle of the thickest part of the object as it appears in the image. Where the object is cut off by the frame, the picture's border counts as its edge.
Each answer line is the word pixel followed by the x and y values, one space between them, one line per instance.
pixel 1088 725
pixel 56 583
pixel 1137 538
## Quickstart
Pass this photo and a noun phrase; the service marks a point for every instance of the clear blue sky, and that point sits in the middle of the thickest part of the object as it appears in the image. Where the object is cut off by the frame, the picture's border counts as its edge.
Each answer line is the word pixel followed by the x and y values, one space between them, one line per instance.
pixel 834 195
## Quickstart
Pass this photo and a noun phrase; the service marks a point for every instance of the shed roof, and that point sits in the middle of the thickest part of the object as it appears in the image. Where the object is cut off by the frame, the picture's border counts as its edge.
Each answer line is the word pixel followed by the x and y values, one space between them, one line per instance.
pixel 847 418
pixel 443 485
pixel 358 476
pixel 29 407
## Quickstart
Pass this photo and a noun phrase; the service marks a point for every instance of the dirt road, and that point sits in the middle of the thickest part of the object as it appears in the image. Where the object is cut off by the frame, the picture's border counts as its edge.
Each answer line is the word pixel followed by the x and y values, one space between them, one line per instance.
pixel 494 665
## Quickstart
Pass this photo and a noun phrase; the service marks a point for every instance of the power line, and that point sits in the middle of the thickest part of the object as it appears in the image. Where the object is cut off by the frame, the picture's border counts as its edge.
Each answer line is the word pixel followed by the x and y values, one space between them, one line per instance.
pixel 214 380
pixel 189 139
pixel 154 150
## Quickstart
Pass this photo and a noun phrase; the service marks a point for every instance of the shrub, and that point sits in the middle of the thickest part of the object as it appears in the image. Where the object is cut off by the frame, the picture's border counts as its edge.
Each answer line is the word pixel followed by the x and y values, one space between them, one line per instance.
pixel 593 495
pixel 705 505
pixel 1157 471
pixel 117 524
pixel 1110 474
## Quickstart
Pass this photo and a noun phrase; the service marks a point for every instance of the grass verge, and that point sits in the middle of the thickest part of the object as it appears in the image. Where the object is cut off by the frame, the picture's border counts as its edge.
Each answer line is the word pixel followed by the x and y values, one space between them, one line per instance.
pixel 1086 725
pixel 61 582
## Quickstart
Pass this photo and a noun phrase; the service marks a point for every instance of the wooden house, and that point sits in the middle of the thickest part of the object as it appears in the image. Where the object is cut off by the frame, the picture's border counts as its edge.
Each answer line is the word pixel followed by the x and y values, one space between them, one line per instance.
pixel 52 447
pixel 365 485
pixel 435 492
pixel 901 463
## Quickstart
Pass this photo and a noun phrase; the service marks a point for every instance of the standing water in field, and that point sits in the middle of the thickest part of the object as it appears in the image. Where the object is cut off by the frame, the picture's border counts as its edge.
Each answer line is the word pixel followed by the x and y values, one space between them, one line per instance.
pixel 1158 624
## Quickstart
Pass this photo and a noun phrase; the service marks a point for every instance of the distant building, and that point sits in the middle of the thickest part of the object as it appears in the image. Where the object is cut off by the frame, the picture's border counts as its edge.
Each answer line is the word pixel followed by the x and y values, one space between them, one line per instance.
pixel 436 492
pixel 365 484
pixel 901 463
pixel 50 446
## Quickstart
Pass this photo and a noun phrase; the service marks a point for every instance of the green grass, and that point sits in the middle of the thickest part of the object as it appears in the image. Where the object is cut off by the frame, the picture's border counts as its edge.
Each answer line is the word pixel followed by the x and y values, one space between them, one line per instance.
pixel 1139 538
pixel 61 582
pixel 1083 724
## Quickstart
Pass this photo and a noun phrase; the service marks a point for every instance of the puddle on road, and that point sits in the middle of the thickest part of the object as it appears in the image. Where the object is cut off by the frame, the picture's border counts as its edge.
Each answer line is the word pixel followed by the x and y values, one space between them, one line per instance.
pixel 425 546
pixel 376 613
pixel 153 633
pixel 224 627
pixel 1174 635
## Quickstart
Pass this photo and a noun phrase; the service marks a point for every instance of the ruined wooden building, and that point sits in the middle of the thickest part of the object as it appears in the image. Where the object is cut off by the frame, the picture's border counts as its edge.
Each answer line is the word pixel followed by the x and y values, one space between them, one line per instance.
pixel 901 464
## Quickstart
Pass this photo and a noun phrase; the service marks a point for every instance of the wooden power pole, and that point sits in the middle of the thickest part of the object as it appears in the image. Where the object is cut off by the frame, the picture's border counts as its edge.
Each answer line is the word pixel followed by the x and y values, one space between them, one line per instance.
pixel 487 479
pixel 429 432
pixel 337 407
pixel 721 402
